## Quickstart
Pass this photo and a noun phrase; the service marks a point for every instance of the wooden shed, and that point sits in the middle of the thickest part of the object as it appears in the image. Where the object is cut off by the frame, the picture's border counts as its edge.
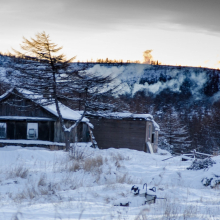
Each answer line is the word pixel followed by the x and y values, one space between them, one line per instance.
pixel 125 130
pixel 22 118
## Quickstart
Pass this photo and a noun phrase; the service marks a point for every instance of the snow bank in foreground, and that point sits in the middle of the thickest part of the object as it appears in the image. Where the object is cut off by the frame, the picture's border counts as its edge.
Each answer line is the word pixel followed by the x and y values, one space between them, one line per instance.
pixel 36 183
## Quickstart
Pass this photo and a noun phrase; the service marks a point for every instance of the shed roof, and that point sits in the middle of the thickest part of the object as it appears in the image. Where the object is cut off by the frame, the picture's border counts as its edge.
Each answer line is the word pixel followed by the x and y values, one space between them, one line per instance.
pixel 124 115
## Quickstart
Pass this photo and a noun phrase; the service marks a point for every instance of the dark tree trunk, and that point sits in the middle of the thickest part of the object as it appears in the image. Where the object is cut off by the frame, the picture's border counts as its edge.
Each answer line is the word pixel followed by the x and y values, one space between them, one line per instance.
pixel 67 140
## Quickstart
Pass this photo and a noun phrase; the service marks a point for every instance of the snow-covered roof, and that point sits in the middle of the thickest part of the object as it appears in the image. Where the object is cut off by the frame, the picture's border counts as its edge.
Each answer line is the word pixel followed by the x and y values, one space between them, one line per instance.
pixel 3 96
pixel 125 115
pixel 121 115
pixel 66 112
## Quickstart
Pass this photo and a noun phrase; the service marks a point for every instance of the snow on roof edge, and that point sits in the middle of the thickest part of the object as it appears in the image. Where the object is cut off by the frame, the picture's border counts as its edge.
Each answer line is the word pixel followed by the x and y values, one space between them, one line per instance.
pixel 6 94
pixel 66 112
pixel 120 115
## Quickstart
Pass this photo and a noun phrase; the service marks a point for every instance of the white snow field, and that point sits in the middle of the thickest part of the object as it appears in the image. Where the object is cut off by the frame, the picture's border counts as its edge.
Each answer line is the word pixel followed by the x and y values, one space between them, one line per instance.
pixel 37 183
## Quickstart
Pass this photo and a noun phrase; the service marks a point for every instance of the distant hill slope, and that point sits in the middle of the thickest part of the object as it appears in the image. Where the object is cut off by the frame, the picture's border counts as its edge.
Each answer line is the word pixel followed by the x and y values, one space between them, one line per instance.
pixel 152 79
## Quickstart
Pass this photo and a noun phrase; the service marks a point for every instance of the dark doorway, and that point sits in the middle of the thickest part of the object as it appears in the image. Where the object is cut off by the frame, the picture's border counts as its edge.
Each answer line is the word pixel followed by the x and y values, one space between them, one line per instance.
pixel 21 130
pixel 10 130
pixel 51 123
pixel 43 131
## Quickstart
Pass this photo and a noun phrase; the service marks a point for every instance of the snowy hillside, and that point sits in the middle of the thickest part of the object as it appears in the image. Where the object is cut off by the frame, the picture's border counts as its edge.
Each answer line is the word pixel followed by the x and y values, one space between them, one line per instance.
pixel 152 79
pixel 37 183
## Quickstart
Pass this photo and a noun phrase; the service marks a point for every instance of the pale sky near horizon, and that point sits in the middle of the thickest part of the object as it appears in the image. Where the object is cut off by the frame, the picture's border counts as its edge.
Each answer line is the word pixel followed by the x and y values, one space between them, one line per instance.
pixel 179 32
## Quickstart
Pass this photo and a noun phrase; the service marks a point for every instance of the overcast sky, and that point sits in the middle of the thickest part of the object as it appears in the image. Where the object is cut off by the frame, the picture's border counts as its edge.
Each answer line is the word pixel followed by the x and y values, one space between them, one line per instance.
pixel 183 32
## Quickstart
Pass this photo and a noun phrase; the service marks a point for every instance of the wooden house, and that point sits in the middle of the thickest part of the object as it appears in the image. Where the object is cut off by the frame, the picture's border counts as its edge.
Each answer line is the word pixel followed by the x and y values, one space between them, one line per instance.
pixel 125 130
pixel 22 118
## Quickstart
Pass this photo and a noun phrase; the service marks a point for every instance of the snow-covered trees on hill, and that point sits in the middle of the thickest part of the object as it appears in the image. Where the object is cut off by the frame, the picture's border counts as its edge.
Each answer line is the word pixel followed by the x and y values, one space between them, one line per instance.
pixel 174 135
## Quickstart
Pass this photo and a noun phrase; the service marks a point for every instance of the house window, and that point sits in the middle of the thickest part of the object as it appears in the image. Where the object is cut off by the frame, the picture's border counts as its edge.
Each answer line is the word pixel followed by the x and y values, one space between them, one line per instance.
pixel 2 130
pixel 32 131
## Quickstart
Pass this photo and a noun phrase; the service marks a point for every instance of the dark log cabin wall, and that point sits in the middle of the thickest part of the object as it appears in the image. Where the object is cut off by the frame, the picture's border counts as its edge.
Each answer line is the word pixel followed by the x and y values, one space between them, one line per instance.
pixel 17 111
pixel 16 128
pixel 79 134
pixel 16 106
pixel 119 133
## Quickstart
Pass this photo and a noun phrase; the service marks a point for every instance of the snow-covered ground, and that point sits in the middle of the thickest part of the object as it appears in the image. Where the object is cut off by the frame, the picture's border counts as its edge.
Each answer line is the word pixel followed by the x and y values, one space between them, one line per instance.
pixel 37 183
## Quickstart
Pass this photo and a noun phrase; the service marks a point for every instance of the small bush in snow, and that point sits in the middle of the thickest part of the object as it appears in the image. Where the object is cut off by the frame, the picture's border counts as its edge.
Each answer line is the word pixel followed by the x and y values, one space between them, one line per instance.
pixel 78 153
pixel 212 182
pixel 206 181
pixel 201 164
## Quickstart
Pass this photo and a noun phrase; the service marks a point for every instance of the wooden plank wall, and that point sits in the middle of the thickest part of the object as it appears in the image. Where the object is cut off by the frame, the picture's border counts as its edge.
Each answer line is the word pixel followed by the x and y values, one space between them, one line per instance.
pixel 83 133
pixel 77 135
pixel 16 106
pixel 18 129
pixel 118 133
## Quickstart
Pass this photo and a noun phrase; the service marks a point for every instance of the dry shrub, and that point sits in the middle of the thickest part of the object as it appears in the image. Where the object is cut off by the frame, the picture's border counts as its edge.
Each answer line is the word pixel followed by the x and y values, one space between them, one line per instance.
pixel 107 200
pixel 74 166
pixel 43 191
pixel 190 211
pixel 118 157
pixel 78 153
pixel 18 198
pixel 124 179
pixel 117 164
pixel 91 164
pixel 99 161
pixel 42 180
pixel 19 171
pixel 28 193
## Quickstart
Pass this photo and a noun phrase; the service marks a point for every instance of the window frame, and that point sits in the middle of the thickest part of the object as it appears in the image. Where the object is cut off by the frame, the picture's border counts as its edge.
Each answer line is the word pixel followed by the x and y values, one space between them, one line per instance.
pixel 3 125
pixel 34 126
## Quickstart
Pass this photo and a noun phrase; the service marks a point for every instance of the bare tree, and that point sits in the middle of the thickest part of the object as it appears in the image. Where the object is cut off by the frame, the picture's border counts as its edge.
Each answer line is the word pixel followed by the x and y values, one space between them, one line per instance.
pixel 50 77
